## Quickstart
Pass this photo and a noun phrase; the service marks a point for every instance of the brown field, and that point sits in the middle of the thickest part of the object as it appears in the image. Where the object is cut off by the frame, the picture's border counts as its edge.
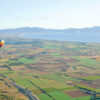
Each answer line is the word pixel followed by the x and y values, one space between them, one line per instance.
pixel 18 68
pixel 94 85
pixel 76 93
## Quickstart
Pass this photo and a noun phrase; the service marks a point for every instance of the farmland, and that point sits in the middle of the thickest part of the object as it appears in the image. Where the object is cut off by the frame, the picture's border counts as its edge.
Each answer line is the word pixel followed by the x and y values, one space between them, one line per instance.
pixel 50 70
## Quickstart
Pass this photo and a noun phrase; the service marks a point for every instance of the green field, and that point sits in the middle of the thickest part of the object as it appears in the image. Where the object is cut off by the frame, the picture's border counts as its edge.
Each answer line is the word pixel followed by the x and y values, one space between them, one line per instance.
pixel 26 61
pixel 92 78
pixel 59 77
pixel 61 96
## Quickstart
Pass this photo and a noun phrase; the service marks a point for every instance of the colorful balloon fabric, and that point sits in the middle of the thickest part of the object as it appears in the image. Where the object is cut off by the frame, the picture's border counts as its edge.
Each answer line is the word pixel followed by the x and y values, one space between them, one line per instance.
pixel 2 43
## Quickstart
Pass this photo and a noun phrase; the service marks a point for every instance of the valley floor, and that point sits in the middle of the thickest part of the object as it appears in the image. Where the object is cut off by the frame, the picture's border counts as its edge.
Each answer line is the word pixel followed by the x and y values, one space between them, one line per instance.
pixel 49 70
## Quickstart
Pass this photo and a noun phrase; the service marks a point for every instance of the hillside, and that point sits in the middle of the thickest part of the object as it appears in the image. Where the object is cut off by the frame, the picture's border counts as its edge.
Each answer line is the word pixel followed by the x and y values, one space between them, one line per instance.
pixel 79 35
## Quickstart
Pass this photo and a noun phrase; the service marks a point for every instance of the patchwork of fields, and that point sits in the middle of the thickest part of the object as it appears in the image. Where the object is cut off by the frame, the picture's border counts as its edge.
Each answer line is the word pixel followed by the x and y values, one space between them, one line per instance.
pixel 51 70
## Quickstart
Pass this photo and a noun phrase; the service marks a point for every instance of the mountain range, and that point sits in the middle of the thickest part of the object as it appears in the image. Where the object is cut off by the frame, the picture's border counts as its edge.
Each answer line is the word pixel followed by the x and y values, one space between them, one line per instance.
pixel 91 34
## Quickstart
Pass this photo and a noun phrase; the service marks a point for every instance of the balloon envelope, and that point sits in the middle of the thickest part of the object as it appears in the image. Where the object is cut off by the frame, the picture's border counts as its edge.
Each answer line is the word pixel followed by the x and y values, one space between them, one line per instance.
pixel 2 43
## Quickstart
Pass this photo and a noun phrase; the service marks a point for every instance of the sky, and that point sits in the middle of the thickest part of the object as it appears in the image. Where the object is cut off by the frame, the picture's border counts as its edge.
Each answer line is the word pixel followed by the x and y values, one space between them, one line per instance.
pixel 56 14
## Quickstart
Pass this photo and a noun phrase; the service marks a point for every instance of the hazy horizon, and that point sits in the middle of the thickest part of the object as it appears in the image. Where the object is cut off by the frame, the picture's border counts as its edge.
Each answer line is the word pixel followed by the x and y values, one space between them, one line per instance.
pixel 49 28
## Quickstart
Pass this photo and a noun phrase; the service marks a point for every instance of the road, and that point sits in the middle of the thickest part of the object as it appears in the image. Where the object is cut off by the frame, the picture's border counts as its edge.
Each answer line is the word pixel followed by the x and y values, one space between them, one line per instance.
pixel 24 91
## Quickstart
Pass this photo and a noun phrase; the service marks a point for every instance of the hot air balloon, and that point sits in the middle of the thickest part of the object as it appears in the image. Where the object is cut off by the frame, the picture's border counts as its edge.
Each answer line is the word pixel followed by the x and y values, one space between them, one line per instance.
pixel 2 43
